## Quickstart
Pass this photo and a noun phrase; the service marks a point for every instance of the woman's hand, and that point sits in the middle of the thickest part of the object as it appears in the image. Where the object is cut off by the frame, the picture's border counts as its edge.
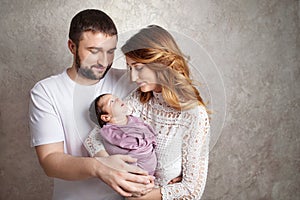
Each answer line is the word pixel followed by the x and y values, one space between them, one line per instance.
pixel 176 180
pixel 152 195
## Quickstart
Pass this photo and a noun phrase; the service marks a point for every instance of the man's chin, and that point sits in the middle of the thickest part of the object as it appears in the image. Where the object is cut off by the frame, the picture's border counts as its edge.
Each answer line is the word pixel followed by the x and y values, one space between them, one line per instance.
pixel 99 76
pixel 107 69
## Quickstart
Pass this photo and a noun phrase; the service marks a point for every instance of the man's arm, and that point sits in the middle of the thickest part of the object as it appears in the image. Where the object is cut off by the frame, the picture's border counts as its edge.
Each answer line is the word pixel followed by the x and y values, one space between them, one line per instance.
pixel 60 165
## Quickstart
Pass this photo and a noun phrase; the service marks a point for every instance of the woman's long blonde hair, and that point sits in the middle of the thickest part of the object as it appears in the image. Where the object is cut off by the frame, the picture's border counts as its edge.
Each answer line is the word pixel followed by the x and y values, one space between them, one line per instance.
pixel 157 49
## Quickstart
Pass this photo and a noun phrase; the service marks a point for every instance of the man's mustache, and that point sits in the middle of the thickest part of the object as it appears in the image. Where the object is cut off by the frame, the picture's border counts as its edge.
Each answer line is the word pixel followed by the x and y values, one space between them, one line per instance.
pixel 99 66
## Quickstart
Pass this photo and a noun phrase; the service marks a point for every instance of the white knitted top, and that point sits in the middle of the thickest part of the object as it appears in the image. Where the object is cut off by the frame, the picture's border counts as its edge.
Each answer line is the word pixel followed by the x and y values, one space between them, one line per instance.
pixel 182 145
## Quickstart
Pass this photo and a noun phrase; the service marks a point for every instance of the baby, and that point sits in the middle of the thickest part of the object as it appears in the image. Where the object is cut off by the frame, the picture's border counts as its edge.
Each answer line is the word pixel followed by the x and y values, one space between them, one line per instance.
pixel 125 134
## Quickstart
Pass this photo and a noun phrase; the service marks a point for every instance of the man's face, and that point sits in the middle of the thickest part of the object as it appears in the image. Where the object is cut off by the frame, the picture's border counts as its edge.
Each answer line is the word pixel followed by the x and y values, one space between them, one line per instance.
pixel 94 54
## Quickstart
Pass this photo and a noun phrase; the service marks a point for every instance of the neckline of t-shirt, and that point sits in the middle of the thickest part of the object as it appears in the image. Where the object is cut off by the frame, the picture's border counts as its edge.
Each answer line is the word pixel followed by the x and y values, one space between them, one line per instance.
pixel 68 78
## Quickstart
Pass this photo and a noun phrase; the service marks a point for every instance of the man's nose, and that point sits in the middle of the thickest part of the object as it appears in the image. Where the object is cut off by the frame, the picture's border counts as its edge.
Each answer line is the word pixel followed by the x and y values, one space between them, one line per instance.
pixel 103 60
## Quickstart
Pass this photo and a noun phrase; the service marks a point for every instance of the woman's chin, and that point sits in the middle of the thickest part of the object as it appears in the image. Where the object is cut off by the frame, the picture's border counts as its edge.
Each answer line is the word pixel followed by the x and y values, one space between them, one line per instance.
pixel 144 89
pixel 148 88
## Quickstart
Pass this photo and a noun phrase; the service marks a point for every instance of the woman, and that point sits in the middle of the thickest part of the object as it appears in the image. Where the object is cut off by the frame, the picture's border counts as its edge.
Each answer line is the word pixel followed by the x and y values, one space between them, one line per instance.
pixel 168 101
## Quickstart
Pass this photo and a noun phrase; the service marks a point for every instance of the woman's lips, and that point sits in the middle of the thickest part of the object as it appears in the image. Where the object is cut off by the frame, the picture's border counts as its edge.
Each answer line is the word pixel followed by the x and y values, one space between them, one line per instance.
pixel 140 84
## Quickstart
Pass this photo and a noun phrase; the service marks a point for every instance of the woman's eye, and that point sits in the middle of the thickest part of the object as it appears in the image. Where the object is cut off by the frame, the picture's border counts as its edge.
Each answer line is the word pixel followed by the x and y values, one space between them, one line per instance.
pixel 139 67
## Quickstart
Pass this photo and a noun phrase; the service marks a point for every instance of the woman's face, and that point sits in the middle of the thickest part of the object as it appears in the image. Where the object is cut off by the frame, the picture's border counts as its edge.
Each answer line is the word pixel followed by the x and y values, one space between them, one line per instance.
pixel 143 76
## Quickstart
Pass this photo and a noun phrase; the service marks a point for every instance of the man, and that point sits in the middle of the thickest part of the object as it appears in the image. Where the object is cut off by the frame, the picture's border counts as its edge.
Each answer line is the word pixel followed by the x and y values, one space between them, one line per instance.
pixel 57 111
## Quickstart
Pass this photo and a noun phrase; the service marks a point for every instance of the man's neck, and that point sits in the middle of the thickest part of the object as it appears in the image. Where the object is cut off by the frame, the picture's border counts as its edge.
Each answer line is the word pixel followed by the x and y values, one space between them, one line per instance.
pixel 73 74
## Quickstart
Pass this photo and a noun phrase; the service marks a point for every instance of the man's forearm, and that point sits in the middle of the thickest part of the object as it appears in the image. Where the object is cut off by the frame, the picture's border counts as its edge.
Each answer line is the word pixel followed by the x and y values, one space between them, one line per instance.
pixel 113 170
pixel 64 166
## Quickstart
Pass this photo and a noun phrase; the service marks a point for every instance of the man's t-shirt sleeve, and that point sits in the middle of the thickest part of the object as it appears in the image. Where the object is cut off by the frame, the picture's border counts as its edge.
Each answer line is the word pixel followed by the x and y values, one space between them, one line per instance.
pixel 44 123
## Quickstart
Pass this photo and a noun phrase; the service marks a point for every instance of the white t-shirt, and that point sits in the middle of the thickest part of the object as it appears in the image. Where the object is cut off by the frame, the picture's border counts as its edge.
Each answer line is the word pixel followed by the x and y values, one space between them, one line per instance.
pixel 59 111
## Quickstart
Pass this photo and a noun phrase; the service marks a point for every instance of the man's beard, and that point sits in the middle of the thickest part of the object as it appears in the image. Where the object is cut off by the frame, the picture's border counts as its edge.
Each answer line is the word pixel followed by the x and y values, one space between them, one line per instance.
pixel 88 72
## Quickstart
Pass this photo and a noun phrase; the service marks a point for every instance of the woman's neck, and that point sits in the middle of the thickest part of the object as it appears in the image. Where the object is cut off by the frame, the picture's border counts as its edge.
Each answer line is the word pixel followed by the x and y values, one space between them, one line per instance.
pixel 158 89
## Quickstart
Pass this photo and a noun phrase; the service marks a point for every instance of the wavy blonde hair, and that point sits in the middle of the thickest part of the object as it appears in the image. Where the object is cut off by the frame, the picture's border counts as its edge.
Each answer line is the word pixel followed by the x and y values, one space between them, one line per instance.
pixel 157 49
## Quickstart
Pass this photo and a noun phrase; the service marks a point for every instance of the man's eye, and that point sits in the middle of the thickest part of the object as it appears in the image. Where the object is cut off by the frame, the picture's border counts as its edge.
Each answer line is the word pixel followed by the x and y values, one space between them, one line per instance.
pixel 111 52
pixel 94 51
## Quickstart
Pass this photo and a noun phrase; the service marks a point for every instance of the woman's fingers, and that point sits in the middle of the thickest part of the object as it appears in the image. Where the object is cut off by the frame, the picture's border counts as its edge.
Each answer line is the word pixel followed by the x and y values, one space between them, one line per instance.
pixel 176 180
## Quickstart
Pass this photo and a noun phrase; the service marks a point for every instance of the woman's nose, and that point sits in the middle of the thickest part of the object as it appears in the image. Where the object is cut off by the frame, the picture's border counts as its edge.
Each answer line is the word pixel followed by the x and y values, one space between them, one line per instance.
pixel 133 75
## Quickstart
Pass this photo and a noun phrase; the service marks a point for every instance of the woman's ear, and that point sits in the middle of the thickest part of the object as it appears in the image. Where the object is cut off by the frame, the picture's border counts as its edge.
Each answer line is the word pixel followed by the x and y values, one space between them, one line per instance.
pixel 105 118
pixel 72 46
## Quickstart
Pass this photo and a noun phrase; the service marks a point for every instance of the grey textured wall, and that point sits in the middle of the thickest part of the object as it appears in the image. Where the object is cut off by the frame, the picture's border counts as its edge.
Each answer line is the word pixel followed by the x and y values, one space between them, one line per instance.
pixel 254 43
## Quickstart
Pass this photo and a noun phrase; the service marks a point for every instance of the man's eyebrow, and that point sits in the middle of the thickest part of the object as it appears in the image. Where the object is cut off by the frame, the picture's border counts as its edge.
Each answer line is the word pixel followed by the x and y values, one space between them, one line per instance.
pixel 100 48
pixel 113 48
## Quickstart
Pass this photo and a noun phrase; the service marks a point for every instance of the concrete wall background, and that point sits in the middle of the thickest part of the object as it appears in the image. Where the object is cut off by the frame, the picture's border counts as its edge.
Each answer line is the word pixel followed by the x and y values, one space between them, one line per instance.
pixel 255 44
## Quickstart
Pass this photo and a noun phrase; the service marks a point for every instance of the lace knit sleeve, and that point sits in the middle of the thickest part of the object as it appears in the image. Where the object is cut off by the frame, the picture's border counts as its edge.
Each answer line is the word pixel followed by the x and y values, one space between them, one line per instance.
pixel 195 150
pixel 93 142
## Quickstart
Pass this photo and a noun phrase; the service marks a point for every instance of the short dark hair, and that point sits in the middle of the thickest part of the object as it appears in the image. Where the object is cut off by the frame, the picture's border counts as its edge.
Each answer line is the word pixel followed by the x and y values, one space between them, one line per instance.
pixel 91 20
pixel 100 111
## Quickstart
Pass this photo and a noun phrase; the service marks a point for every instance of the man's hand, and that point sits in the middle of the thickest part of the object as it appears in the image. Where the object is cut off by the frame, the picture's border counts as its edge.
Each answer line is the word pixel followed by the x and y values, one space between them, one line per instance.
pixel 127 180
pixel 113 170
pixel 120 163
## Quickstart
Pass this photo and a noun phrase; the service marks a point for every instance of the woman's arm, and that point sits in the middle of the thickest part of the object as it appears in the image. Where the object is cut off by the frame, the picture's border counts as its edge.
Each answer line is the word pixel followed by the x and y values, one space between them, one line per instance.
pixel 195 150
pixel 93 143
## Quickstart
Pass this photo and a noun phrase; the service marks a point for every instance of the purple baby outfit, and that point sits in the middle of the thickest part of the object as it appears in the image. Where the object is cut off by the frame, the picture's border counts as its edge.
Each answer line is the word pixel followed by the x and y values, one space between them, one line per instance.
pixel 136 139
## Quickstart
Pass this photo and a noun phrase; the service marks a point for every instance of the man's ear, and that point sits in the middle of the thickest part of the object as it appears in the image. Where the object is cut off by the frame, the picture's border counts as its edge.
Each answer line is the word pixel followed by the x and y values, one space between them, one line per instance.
pixel 72 46
pixel 105 118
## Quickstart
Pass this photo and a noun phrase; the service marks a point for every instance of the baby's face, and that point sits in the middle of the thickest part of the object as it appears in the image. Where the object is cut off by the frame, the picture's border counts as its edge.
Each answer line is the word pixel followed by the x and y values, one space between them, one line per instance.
pixel 113 105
